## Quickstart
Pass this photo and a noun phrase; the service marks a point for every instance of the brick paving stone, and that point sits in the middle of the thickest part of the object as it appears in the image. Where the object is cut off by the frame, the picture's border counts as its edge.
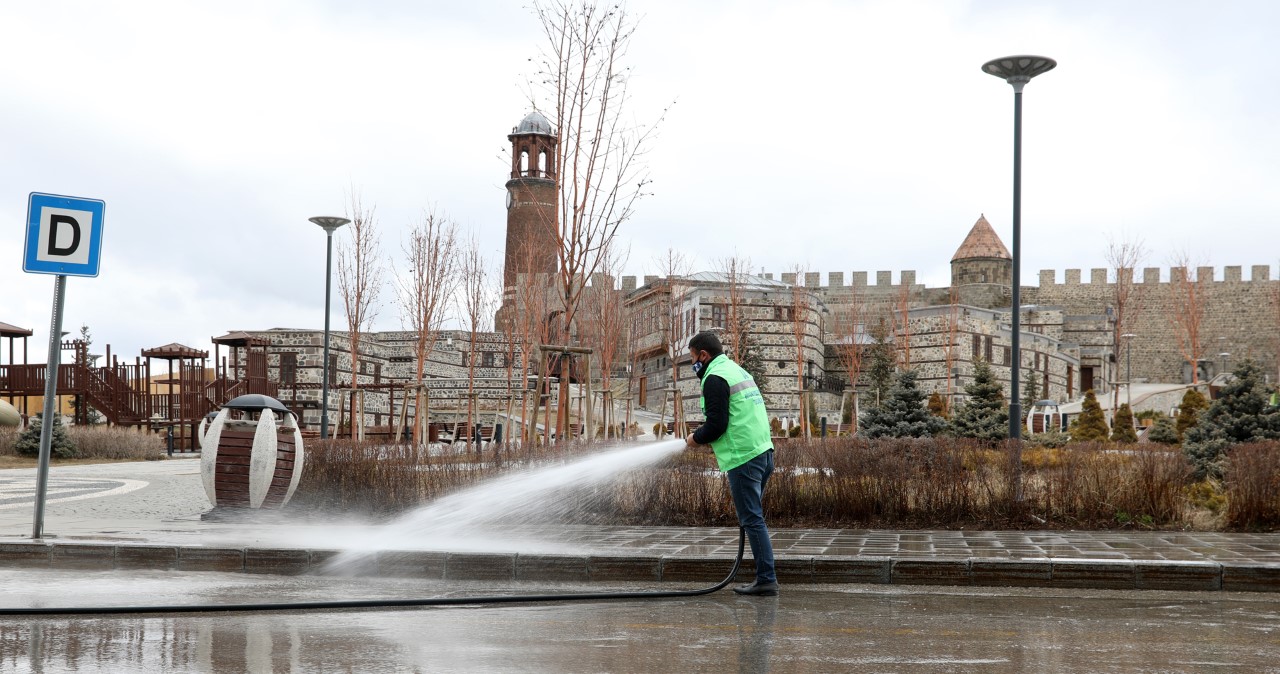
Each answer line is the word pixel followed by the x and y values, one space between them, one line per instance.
pixel 552 567
pixel 280 561
pixel 476 566
pixel 28 554
pixel 411 564
pixel 210 559
pixel 319 558
pixel 88 557
pixel 1178 575
pixel 1245 578
pixel 146 557
pixel 694 569
pixel 930 571
pixel 851 569
pixel 613 568
pixel 1093 573
pixel 1010 573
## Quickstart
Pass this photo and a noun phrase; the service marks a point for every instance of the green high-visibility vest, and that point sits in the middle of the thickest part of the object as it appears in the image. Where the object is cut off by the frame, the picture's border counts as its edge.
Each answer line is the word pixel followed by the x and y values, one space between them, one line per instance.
pixel 748 433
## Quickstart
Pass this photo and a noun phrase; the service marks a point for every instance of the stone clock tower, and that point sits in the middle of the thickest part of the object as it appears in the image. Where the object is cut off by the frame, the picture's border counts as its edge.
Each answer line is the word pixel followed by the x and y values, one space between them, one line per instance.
pixel 531 206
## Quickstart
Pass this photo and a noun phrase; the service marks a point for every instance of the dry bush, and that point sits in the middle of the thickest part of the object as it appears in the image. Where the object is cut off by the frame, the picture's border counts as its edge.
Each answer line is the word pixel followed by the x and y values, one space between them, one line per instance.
pixel 116 443
pixel 100 442
pixel 833 482
pixel 1097 485
pixel 8 436
pixel 1253 485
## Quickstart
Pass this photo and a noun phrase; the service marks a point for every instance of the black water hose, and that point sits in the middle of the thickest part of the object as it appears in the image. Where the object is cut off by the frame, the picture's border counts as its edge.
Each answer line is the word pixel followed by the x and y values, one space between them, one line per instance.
pixel 385 603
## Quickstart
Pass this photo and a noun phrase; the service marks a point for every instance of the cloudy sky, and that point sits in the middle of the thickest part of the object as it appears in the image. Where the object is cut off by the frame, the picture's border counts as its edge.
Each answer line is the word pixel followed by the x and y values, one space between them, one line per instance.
pixel 836 135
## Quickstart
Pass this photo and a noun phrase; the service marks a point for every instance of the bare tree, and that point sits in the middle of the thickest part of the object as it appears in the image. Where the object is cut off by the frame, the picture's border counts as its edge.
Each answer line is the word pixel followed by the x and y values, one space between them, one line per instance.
pixel 799 311
pixel 605 328
pixel 429 281
pixel 850 326
pixel 737 323
pixel 599 149
pixel 949 346
pixel 529 328
pixel 1123 257
pixel 476 305
pixel 673 268
pixel 360 280
pixel 1187 318
pixel 902 321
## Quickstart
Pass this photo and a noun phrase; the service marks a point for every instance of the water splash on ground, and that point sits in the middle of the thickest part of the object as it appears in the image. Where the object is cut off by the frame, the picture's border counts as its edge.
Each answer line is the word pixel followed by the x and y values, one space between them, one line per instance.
pixel 493 516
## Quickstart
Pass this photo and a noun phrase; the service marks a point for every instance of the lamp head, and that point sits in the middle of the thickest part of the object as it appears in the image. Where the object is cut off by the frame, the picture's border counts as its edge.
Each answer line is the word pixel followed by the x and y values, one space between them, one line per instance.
pixel 329 223
pixel 1018 70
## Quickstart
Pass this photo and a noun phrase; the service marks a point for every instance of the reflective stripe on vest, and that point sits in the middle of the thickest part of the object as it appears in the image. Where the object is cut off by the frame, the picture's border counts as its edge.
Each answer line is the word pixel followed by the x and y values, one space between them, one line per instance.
pixel 747 435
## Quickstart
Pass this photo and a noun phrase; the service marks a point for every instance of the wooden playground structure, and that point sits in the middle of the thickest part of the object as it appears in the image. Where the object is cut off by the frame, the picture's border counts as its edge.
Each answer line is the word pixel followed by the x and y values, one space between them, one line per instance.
pixel 129 394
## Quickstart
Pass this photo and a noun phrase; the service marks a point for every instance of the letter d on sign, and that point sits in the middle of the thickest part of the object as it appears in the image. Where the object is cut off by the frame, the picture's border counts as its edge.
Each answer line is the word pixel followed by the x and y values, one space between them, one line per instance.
pixel 54 221
pixel 60 235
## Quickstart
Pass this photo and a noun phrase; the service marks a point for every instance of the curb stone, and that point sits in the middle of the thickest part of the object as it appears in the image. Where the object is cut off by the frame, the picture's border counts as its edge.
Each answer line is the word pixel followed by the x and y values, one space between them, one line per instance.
pixel 978 571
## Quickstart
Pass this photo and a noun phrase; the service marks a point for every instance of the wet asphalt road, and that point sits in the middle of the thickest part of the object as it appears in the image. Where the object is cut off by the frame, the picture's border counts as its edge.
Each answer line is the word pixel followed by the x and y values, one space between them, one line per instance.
pixel 842 628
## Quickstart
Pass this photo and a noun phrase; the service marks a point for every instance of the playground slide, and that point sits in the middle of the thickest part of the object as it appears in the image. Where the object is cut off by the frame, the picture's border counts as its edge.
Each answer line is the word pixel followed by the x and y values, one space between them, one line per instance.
pixel 8 415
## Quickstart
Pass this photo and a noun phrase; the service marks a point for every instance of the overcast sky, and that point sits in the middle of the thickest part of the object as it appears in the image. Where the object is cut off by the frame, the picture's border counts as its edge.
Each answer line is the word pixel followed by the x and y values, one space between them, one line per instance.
pixel 836 135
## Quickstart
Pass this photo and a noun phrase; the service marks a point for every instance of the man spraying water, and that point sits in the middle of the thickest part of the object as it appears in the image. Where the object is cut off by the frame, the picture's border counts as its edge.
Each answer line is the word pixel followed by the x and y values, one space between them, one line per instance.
pixel 737 428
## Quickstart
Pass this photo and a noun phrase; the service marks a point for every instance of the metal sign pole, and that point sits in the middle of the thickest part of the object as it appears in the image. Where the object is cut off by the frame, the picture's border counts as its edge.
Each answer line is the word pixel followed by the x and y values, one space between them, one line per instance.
pixel 50 404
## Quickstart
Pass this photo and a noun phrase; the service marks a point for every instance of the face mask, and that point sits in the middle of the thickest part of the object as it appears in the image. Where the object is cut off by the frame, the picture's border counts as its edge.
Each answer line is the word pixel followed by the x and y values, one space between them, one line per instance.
pixel 697 367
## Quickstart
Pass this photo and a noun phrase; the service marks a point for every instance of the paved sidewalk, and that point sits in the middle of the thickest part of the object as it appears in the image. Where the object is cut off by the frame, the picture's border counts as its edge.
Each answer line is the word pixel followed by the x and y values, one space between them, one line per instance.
pixel 159 524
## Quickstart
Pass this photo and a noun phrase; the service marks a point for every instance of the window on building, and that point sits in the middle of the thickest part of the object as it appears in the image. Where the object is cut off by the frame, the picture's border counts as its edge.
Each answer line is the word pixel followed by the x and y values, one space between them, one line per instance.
pixel 977 346
pixel 488 359
pixel 986 350
pixel 783 313
pixel 1007 355
pixel 377 373
pixel 288 368
pixel 333 369
pixel 719 315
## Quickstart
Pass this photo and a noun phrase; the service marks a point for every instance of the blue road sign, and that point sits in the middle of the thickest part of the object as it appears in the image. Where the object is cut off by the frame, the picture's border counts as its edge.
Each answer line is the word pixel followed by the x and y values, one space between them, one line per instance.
pixel 64 235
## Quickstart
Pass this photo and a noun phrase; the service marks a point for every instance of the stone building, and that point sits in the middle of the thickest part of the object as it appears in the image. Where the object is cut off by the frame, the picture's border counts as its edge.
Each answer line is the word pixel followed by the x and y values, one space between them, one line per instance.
pixel 294 360
pixel 786 324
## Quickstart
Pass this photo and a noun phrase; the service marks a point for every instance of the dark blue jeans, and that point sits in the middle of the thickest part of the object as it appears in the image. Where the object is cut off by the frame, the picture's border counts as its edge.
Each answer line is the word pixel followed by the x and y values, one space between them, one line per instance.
pixel 746 483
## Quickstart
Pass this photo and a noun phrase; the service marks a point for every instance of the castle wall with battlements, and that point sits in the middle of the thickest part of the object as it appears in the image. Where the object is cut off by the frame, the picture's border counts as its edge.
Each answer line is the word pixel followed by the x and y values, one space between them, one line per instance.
pixel 1241 312
pixel 1241 315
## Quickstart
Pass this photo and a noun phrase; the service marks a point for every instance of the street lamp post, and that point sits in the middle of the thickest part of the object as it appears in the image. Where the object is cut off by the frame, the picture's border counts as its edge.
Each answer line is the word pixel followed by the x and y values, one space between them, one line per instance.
pixel 329 225
pixel 1017 71
pixel 1225 358
pixel 1128 368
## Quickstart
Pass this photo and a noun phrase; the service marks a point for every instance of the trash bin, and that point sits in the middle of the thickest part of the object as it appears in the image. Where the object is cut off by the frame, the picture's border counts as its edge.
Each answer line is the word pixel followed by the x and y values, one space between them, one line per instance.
pixel 249 459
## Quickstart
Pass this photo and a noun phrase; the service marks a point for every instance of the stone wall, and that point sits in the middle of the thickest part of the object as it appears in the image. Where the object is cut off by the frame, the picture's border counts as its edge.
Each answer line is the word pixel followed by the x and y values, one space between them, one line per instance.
pixel 1240 317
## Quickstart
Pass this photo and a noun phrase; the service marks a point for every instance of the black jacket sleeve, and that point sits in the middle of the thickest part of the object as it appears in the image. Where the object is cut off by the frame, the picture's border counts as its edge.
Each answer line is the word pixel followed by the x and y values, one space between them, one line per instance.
pixel 715 391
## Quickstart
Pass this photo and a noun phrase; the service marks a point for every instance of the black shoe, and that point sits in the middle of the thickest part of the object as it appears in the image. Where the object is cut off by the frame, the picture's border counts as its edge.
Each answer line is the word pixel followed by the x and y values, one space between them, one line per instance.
pixel 759 589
